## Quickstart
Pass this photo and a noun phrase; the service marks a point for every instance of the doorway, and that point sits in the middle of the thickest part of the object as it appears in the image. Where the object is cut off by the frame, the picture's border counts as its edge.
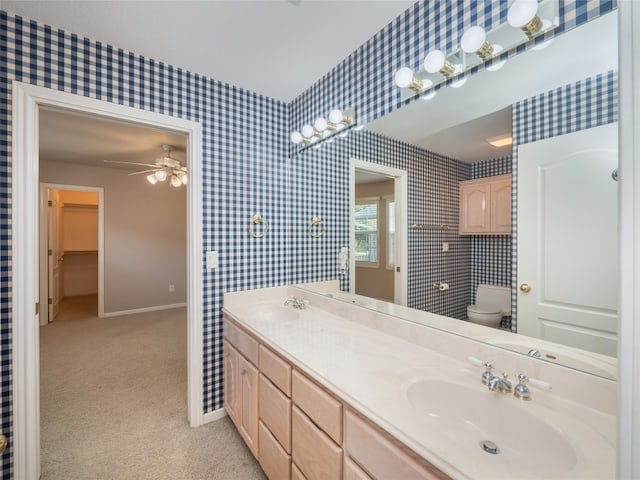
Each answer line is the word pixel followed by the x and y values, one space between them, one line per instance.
pixel 27 100
pixel 378 231
pixel 71 231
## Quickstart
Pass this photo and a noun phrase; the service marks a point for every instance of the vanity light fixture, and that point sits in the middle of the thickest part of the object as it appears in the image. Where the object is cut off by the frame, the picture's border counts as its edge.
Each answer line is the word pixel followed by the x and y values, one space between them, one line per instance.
pixel 474 40
pixel 436 61
pixel 533 17
pixel 523 14
pixel 339 122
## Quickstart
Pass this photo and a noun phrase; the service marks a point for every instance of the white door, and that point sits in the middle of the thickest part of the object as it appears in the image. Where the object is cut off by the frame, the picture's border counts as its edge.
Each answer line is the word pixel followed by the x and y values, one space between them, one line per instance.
pixel 568 239
pixel 55 253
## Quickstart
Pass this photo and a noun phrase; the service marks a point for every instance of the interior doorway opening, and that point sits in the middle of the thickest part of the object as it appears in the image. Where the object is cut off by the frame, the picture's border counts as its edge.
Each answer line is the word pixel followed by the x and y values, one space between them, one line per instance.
pixel 71 246
pixel 378 231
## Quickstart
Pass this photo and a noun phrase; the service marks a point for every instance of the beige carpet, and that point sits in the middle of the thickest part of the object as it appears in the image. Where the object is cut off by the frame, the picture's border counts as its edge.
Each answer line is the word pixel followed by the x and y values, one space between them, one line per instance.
pixel 114 403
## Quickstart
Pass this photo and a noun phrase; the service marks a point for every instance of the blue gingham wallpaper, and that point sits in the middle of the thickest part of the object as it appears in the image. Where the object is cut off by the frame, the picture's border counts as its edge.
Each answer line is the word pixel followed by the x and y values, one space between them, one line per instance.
pixel 245 139
pixel 577 106
pixel 245 148
pixel 320 187
pixel 491 254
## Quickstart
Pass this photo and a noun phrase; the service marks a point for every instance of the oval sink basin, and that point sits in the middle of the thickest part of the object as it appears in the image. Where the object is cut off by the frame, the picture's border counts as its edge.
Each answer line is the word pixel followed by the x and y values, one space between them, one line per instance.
pixel 470 414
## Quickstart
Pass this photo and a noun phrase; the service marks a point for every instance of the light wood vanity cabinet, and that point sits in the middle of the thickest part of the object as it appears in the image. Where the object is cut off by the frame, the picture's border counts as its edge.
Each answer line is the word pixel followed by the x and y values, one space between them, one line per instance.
pixel 299 430
pixel 241 394
pixel 485 206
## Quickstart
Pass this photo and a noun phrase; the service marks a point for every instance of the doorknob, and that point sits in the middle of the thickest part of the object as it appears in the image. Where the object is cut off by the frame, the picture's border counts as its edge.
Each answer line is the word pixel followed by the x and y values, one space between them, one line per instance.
pixel 3 443
pixel 525 287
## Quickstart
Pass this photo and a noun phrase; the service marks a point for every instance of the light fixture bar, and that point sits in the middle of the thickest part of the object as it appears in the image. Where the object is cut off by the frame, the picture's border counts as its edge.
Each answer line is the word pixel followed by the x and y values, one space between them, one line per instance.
pixel 339 122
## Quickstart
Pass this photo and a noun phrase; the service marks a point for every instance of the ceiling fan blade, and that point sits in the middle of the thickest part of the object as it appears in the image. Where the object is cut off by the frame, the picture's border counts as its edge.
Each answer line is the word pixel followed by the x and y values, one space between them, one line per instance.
pixel 130 163
pixel 143 171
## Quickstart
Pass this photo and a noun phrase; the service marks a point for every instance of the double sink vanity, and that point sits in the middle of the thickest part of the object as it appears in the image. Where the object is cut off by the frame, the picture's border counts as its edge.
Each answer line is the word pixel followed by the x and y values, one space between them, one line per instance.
pixel 322 389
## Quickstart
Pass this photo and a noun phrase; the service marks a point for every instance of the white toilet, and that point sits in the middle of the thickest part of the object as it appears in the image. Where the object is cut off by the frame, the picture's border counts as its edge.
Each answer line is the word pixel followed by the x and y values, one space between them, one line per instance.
pixel 492 303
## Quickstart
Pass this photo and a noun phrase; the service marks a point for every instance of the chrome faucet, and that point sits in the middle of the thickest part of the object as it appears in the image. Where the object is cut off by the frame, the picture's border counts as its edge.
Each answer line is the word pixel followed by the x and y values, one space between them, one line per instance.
pixel 521 391
pixel 296 302
pixel 500 384
pixel 494 382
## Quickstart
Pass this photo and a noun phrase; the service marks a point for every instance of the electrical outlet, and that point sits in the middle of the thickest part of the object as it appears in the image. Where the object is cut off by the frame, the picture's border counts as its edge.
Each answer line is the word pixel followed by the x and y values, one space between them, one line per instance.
pixel 212 260
pixel 172 288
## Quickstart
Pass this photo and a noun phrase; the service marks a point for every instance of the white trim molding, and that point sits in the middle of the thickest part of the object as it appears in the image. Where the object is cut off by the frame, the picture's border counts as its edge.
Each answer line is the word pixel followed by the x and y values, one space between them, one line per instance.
pixel 27 99
pixel 156 308
pixel 400 186
pixel 214 415
pixel 628 442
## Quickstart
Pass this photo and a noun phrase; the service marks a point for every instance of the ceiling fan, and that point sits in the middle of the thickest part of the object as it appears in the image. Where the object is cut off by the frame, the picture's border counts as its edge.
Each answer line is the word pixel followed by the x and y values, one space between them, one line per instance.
pixel 164 168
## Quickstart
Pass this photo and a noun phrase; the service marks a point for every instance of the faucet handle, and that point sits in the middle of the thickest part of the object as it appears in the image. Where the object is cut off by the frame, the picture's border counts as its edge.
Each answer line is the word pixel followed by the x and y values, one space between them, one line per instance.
pixel 487 375
pixel 521 391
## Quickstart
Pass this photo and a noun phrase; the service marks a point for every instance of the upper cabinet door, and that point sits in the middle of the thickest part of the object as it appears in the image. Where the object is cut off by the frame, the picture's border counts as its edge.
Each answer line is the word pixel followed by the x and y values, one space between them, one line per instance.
pixel 501 205
pixel 475 208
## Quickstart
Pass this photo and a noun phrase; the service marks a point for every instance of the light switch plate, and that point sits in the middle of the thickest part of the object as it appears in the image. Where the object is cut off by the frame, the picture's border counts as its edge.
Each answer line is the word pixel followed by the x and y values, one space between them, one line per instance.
pixel 212 260
pixel 445 246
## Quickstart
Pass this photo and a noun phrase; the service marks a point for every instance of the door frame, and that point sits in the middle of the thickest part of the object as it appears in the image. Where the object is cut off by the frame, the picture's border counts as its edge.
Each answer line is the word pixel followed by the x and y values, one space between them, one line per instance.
pixel 27 99
pixel 400 192
pixel 43 237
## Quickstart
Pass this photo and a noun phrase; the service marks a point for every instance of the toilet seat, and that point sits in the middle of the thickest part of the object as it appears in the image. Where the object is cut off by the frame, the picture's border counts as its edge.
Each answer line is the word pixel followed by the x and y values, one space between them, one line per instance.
pixel 484 309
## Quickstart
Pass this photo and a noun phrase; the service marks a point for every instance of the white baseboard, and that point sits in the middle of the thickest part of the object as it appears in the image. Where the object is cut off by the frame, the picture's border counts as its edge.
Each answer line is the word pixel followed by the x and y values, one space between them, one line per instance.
pixel 143 310
pixel 214 415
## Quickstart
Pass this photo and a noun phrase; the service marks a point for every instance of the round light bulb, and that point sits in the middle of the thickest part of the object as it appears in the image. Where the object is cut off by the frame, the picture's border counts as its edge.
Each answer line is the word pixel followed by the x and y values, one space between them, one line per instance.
pixel 308 131
pixel 495 66
pixel 434 61
pixel 152 179
pixel 335 116
pixel 403 77
pixel 320 124
pixel 473 39
pixel 296 137
pixel 429 95
pixel 161 175
pixel 522 12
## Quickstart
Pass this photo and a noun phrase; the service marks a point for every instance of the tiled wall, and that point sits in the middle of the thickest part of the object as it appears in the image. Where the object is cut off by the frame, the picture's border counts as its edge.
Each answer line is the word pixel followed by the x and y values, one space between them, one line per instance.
pixel 319 185
pixel 244 161
pixel 491 254
pixel 578 106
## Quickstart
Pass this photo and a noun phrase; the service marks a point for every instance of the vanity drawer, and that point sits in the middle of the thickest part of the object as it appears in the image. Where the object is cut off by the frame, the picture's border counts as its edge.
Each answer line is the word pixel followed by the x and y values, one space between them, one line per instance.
pixel 241 341
pixel 296 474
pixel 320 406
pixel 317 457
pixel 353 471
pixel 275 369
pixel 384 457
pixel 275 412
pixel 273 459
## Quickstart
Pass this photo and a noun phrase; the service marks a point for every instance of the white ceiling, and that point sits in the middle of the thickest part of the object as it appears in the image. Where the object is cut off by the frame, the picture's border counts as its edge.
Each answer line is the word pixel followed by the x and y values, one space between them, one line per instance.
pixel 277 48
pixel 74 138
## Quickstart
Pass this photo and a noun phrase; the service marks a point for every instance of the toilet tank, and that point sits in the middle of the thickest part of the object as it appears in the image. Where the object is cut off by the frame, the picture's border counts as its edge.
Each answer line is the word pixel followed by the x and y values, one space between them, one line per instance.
pixel 496 296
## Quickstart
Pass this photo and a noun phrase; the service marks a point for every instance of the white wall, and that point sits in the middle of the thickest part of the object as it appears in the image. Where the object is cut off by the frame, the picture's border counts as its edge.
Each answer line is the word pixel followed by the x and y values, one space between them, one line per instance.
pixel 145 235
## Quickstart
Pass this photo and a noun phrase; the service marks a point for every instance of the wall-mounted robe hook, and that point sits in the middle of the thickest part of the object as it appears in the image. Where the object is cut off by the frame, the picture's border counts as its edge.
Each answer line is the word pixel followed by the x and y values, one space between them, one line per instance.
pixel 316 228
pixel 257 219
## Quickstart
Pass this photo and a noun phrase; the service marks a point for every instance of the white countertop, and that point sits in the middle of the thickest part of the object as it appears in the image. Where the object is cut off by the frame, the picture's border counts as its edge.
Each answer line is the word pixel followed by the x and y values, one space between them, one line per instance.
pixel 371 371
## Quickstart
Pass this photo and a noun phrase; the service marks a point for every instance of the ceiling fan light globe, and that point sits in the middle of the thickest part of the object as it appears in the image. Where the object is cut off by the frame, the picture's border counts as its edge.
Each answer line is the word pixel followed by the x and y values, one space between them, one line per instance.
pixel 175 181
pixel 183 178
pixel 152 179
pixel 160 175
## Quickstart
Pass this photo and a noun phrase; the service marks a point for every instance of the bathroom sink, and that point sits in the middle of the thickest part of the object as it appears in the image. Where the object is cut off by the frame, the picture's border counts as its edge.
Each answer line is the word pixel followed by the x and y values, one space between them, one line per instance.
pixel 469 414
pixel 272 311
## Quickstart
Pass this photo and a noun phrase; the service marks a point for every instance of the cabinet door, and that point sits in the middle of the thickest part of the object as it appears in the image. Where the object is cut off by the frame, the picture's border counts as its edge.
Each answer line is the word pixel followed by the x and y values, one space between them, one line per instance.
pixel 475 208
pixel 231 393
pixel 501 206
pixel 248 386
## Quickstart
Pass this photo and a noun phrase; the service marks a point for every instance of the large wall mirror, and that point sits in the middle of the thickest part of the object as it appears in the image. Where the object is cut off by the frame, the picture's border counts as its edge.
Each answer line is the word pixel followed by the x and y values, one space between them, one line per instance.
pixel 407 256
